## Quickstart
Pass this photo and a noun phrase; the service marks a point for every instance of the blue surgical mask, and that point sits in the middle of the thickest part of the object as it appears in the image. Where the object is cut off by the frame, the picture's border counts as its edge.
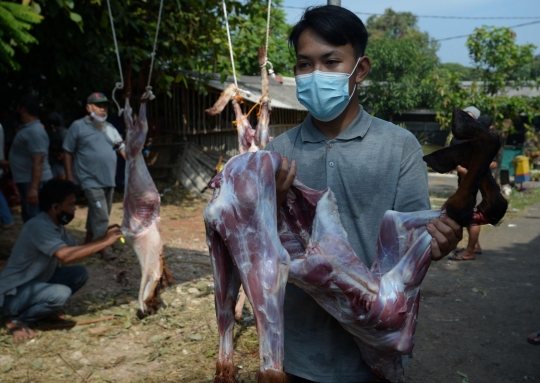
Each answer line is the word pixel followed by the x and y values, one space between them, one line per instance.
pixel 324 94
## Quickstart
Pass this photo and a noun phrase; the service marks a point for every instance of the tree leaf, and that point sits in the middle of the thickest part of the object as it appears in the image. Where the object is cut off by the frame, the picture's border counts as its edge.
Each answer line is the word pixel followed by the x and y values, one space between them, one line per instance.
pixel 75 17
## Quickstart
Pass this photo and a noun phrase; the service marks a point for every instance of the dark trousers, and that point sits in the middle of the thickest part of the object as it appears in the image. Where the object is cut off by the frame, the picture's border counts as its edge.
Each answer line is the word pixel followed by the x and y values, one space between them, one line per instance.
pixel 27 211
pixel 36 300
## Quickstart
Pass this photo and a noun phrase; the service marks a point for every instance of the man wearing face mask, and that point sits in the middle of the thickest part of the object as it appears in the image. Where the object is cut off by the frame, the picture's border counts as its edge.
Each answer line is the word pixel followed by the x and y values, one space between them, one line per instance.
pixel 90 159
pixel 371 166
pixel 32 286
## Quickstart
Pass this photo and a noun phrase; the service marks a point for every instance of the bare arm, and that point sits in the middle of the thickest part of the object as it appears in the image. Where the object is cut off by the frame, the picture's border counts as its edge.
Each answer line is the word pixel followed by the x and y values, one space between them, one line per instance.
pixel 76 253
pixel 123 154
pixel 68 162
pixel 37 170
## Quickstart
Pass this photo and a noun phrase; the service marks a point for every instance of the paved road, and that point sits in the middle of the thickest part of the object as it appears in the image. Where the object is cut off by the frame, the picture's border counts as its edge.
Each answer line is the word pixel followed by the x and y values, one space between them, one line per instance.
pixel 442 185
pixel 475 316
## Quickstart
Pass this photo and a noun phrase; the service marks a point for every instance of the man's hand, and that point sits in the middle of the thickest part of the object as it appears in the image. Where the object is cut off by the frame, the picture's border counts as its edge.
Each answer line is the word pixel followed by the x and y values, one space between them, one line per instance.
pixel 446 235
pixel 32 197
pixel 461 170
pixel 284 179
pixel 112 234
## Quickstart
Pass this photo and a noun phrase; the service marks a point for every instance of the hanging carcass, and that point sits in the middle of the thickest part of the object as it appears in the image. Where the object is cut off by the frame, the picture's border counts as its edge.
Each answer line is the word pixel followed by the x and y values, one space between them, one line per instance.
pixel 141 213
pixel 378 306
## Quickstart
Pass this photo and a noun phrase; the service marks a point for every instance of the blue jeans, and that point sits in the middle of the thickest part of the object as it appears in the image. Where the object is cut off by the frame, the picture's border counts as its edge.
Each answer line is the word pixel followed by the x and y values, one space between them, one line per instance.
pixel 36 300
pixel 5 214
pixel 27 211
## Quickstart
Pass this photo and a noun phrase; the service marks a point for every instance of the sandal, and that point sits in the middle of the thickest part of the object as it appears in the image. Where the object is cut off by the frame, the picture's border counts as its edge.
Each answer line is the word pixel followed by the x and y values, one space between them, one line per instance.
pixel 16 327
pixel 459 257
pixel 532 341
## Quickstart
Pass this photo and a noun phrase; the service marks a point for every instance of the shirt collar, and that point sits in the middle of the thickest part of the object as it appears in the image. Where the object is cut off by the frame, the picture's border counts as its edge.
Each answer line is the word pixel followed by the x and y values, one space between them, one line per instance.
pixel 47 217
pixel 357 128
pixel 36 122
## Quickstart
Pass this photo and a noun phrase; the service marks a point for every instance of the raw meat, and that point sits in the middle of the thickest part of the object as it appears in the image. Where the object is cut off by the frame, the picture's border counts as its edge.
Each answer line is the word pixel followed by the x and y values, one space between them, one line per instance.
pixel 141 214
pixel 241 229
pixel 378 306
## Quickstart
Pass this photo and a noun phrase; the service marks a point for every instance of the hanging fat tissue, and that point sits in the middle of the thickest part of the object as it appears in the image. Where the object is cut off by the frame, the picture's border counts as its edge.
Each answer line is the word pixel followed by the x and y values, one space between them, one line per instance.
pixel 308 246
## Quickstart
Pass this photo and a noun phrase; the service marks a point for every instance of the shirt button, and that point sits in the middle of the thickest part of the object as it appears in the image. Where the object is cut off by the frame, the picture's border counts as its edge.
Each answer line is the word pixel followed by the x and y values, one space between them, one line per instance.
pixel 330 145
pixel 331 163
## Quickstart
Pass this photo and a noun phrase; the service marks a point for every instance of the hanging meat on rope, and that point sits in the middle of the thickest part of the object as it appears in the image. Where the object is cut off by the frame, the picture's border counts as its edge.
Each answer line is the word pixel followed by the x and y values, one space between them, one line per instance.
pixel 378 306
pixel 141 213
pixel 142 202
pixel 259 262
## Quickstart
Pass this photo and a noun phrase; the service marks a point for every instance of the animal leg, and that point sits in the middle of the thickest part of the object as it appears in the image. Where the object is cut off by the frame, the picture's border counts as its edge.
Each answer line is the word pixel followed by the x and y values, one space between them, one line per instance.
pixel 227 285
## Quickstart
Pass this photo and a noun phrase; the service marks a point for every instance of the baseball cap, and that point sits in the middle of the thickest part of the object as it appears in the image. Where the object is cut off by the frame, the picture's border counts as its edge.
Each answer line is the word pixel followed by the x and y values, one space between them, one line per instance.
pixel 474 110
pixel 96 98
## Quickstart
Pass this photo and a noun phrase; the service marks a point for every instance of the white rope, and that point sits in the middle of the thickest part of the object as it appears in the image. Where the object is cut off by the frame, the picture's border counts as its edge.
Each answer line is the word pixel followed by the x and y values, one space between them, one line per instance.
pixel 148 90
pixel 231 50
pixel 119 85
pixel 266 62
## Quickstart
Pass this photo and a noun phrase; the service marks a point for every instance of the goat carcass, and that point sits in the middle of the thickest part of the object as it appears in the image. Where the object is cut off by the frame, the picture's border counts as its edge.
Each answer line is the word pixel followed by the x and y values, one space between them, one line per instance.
pixel 241 230
pixel 378 306
pixel 141 214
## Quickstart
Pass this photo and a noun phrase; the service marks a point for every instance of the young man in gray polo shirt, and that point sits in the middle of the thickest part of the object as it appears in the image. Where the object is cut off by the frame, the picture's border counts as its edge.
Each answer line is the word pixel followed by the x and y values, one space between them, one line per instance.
pixel 28 156
pixel 90 158
pixel 371 166
pixel 32 286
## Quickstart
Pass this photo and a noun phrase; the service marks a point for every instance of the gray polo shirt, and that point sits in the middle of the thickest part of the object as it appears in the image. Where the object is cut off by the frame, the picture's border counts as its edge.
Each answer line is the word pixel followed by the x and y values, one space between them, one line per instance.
pixel 371 167
pixel 94 157
pixel 30 139
pixel 32 257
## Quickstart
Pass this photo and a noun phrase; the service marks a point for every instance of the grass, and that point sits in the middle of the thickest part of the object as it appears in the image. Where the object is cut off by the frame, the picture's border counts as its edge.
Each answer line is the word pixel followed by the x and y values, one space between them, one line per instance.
pixel 520 200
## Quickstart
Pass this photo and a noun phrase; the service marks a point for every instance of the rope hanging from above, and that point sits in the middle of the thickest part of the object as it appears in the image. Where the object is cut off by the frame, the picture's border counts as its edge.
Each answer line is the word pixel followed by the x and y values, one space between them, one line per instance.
pixel 119 85
pixel 238 90
pixel 266 62
pixel 148 94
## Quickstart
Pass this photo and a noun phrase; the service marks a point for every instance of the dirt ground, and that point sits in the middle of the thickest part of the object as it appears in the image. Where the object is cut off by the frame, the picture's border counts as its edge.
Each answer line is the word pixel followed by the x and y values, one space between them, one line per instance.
pixel 473 321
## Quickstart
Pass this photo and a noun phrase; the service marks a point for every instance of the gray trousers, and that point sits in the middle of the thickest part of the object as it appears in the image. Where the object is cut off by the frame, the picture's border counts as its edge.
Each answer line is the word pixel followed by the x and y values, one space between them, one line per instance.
pixel 99 210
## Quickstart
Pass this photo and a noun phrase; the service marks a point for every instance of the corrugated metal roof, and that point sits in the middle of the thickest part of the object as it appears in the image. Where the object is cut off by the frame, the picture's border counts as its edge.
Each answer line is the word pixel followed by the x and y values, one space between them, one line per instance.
pixel 283 95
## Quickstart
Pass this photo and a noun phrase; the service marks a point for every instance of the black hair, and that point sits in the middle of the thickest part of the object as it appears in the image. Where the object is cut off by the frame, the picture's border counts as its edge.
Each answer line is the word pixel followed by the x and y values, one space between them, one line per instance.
pixel 55 119
pixel 55 191
pixel 336 25
pixel 31 104
pixel 485 120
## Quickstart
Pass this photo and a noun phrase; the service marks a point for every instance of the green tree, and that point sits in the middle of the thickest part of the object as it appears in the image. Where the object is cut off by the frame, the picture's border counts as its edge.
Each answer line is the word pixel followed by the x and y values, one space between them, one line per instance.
pixel 497 57
pixel 249 33
pixel 467 73
pixel 73 59
pixel 16 21
pixel 500 63
pixel 400 25
pixel 402 57
pixel 396 81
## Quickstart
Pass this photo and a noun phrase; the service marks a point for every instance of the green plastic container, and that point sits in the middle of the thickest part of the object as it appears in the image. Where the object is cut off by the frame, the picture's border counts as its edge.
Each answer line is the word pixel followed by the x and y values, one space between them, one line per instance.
pixel 509 153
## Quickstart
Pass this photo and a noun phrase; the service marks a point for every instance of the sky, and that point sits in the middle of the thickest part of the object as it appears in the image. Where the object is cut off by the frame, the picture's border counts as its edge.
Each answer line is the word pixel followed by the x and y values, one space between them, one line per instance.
pixel 450 50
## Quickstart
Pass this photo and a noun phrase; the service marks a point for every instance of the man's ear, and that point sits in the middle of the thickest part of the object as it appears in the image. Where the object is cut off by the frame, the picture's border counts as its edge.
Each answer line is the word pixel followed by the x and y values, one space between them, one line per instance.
pixel 88 108
pixel 364 66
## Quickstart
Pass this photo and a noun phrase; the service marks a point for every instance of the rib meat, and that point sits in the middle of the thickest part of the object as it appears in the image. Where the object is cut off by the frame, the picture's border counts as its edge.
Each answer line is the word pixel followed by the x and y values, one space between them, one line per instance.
pixel 141 214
